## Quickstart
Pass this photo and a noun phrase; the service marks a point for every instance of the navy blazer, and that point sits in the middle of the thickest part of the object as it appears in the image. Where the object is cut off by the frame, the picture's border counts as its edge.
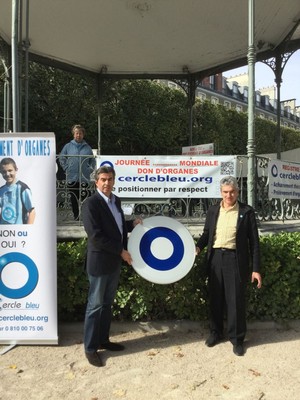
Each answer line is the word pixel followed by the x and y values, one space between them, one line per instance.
pixel 105 241
pixel 247 238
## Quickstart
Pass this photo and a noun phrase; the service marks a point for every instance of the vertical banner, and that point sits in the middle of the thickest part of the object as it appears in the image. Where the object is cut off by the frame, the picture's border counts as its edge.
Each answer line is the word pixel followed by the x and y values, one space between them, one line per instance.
pixel 28 292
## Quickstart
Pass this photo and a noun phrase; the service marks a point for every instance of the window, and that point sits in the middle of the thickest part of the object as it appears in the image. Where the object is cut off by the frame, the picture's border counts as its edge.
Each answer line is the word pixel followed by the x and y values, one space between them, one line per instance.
pixel 227 104
pixel 212 81
pixel 235 90
pixel 257 96
pixel 214 100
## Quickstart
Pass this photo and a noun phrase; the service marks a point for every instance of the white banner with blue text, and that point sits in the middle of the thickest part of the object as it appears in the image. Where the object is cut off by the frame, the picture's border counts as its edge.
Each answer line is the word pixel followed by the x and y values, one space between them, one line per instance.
pixel 169 176
pixel 284 180
pixel 28 267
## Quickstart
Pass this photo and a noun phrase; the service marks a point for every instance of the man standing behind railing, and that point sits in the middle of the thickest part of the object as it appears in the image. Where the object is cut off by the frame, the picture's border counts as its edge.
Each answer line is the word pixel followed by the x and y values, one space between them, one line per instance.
pixel 78 162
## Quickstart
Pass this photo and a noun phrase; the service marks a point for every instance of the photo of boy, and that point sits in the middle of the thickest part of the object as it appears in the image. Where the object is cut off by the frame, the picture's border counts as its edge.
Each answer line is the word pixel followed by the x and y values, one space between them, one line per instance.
pixel 15 196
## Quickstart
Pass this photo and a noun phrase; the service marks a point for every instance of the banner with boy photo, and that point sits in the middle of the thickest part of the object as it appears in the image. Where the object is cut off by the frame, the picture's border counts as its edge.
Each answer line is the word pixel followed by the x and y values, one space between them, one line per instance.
pixel 28 294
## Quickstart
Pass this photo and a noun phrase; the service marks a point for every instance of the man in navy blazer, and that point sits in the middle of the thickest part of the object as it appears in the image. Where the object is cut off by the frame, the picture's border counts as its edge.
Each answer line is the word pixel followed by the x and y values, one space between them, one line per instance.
pixel 231 237
pixel 107 230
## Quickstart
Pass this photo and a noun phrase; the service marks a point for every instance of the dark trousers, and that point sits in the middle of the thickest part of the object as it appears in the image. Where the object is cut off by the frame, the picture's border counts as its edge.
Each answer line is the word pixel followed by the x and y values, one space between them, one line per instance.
pixel 98 314
pixel 227 295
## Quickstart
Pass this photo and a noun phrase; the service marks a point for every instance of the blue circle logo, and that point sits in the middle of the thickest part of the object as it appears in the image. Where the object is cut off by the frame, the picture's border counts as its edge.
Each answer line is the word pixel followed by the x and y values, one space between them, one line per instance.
pixel 32 278
pixel 154 262
pixel 274 170
pixel 9 214
pixel 162 250
pixel 107 164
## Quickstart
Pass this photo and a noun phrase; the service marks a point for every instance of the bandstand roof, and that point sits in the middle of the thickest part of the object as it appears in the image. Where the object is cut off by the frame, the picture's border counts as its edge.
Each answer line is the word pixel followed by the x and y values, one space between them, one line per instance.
pixel 152 37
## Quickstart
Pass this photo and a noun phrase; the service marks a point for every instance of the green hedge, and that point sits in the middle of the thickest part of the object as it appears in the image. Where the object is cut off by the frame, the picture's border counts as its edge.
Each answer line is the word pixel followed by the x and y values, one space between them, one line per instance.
pixel 138 299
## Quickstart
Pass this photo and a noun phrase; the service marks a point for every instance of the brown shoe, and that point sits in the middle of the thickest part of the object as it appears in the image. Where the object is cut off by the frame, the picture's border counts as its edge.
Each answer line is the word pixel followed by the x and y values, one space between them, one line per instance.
pixel 94 359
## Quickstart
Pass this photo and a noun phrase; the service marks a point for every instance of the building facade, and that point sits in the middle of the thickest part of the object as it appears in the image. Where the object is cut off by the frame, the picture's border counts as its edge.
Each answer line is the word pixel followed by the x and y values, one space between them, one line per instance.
pixel 232 93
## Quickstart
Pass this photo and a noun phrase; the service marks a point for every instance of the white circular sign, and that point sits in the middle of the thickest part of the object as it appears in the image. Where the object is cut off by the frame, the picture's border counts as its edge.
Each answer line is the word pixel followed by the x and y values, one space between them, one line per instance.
pixel 162 250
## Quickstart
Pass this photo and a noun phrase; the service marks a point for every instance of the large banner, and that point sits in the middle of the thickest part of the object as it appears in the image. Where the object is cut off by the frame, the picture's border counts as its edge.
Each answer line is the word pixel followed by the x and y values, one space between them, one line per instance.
pixel 284 180
pixel 169 176
pixel 28 295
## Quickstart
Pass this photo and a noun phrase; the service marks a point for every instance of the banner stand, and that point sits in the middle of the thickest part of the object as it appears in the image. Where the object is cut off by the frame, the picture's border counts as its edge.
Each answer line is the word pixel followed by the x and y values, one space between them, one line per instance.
pixel 7 349
pixel 28 248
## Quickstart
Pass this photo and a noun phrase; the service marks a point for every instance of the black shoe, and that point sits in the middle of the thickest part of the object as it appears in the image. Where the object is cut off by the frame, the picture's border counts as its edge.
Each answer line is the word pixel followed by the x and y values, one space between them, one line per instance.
pixel 238 349
pixel 213 339
pixel 94 359
pixel 112 346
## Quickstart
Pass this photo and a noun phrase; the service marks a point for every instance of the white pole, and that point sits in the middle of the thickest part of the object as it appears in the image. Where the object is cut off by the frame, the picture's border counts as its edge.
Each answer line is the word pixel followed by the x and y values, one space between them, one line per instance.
pixel 15 65
pixel 251 105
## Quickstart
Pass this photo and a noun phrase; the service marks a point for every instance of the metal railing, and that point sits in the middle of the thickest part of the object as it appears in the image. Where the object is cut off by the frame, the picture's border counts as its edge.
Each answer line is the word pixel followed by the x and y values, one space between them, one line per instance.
pixel 188 211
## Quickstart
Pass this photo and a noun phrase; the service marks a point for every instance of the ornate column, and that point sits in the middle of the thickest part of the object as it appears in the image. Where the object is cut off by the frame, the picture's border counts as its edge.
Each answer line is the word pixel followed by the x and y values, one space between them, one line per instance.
pixel 251 106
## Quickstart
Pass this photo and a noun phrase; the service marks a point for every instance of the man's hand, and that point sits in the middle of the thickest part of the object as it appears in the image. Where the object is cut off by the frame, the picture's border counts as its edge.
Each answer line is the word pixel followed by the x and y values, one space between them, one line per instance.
pixel 256 277
pixel 137 221
pixel 197 251
pixel 126 256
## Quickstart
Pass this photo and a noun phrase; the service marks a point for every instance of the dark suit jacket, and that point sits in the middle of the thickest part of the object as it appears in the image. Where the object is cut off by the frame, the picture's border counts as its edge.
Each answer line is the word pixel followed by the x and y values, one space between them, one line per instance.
pixel 247 239
pixel 105 242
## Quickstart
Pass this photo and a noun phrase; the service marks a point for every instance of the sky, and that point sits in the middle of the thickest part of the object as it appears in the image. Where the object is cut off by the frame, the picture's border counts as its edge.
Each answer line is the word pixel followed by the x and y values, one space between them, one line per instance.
pixel 264 77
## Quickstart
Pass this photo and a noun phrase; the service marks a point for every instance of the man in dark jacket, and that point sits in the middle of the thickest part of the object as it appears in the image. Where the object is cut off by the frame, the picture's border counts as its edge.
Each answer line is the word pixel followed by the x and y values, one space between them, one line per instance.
pixel 107 230
pixel 231 236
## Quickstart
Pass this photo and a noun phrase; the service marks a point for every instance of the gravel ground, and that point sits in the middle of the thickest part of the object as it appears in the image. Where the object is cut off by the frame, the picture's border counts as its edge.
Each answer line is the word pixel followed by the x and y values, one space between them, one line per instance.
pixel 163 360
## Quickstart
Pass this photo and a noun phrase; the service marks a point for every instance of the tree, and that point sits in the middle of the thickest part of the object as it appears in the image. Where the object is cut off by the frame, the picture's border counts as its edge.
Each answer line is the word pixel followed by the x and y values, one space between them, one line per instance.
pixel 228 130
pixel 142 117
pixel 58 100
pixel 139 116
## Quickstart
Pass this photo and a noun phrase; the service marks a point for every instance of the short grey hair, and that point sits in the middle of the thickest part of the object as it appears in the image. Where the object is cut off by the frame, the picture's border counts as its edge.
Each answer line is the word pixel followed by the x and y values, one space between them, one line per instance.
pixel 230 181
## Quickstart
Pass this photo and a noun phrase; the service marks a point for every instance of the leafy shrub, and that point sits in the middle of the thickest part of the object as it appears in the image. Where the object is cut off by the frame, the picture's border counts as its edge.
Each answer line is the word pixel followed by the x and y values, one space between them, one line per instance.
pixel 72 283
pixel 138 299
pixel 279 297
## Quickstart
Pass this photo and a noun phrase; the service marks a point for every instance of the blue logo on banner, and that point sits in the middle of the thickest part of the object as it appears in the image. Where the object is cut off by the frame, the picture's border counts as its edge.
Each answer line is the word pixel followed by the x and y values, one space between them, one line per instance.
pixel 33 275
pixel 274 170
pixel 154 262
pixel 107 164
